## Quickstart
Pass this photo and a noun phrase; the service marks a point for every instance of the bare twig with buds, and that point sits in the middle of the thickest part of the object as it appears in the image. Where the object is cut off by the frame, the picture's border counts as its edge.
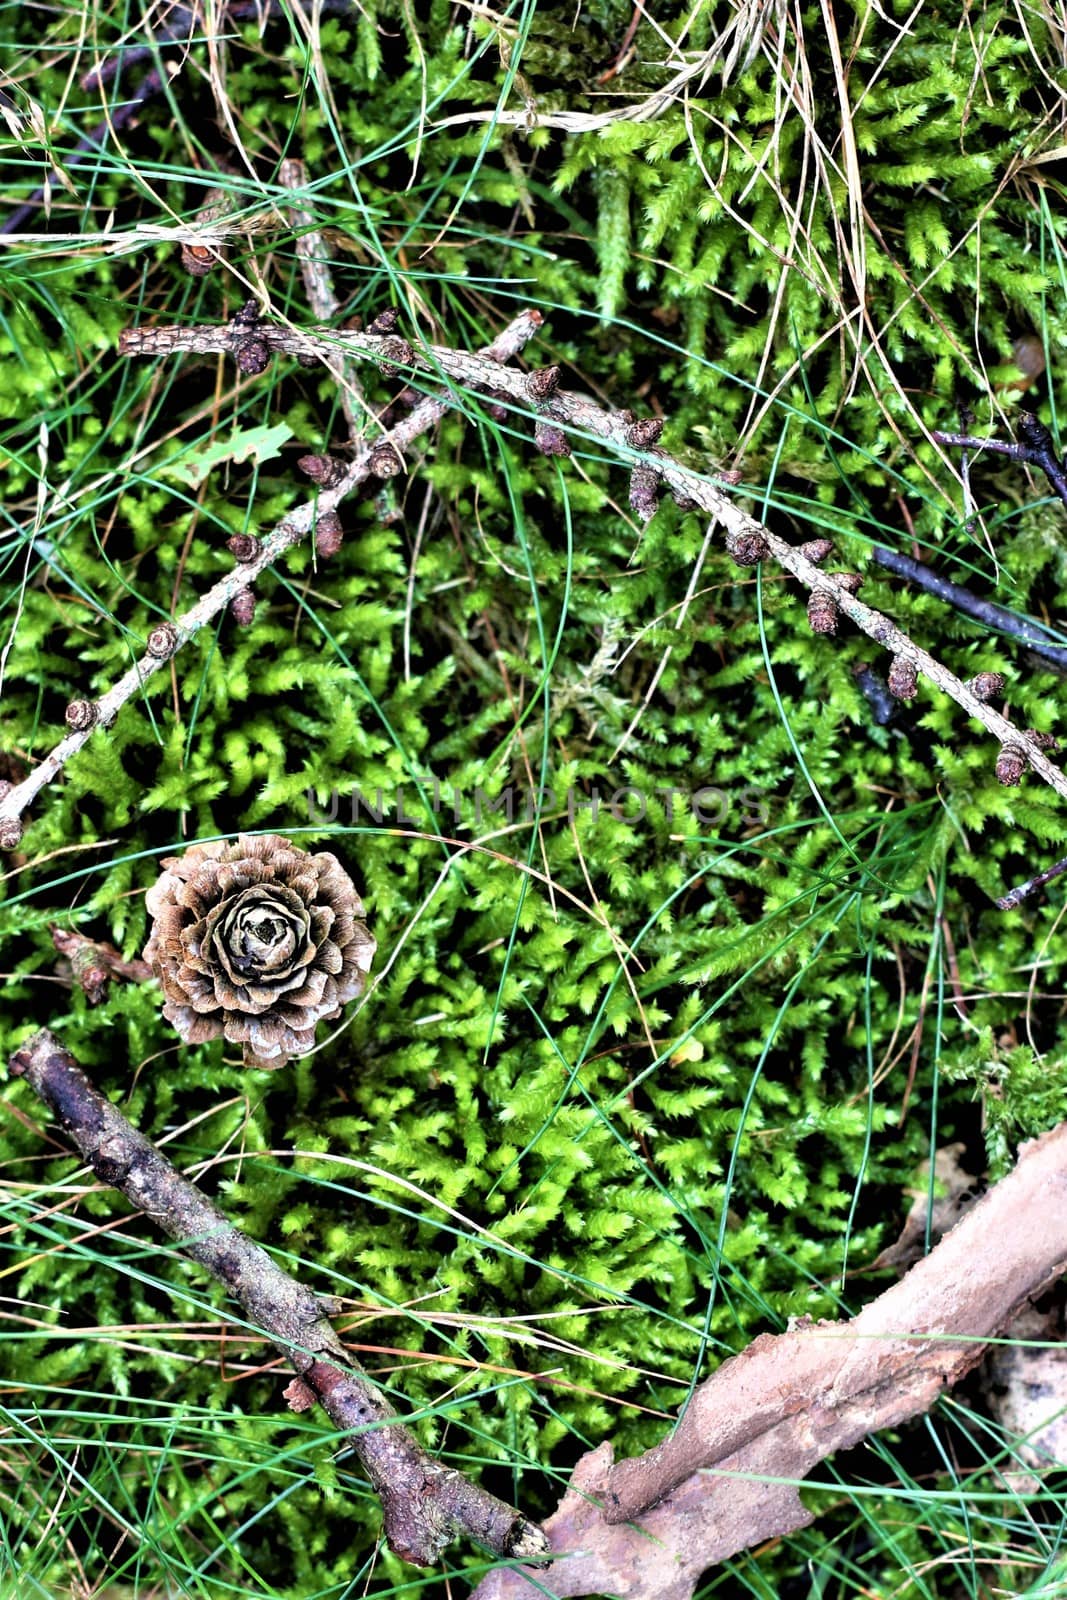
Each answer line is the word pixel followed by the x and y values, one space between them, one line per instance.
pixel 253 557
pixel 559 416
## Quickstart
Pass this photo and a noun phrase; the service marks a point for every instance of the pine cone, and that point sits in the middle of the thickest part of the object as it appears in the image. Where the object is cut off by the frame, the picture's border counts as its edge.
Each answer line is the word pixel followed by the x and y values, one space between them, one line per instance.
pixel 256 942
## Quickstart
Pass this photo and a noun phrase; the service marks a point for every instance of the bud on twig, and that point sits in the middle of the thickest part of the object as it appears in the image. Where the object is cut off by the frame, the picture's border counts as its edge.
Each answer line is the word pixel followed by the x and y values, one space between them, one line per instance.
pixel 243 547
pixel 852 582
pixel 397 353
pixel 328 535
pixel 385 461
pixel 550 440
pixel 251 351
pixel 903 678
pixel 816 550
pixel 243 608
pixel 81 716
pixel 542 383
pixel 384 322
pixel 162 641
pixel 10 834
pixel 252 355
pixel 644 492
pixel 1011 764
pixel 644 434
pixel 326 471
pixel 823 613
pixel 985 685
pixel 1044 741
pixel 1013 759
pixel 747 549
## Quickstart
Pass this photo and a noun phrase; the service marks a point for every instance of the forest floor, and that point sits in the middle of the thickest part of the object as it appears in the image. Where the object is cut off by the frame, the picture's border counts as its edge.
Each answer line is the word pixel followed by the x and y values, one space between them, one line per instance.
pixel 682 853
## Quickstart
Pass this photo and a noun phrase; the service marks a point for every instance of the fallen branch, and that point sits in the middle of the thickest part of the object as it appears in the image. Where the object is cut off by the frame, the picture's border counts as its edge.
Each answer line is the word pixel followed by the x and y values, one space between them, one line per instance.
pixel 425 1505
pixel 166 640
pixel 650 1526
pixel 558 413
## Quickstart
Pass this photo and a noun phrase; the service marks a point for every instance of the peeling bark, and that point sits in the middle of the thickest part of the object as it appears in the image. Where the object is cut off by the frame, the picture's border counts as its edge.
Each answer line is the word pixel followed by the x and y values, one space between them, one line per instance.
pixel 648 1527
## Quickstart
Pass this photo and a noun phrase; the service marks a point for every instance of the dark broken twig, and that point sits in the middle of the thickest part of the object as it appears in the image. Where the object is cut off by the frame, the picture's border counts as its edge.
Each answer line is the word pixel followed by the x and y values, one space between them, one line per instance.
pixel 1034 446
pixel 425 1505
pixel 1026 629
pixel 1023 891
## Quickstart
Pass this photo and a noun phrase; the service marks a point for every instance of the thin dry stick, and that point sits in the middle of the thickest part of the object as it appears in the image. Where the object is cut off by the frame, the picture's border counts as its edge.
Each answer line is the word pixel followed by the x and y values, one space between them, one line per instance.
pixel 560 412
pixel 290 531
pixel 314 259
pixel 425 1504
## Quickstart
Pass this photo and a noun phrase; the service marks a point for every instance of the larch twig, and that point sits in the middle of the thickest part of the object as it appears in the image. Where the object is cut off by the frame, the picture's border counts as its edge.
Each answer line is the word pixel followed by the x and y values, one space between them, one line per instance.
pixel 559 413
pixel 290 531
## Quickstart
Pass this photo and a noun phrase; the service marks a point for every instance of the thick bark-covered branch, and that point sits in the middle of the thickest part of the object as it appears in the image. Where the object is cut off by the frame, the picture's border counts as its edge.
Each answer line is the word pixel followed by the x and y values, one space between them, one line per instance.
pixel 425 1504
pixel 648 1527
